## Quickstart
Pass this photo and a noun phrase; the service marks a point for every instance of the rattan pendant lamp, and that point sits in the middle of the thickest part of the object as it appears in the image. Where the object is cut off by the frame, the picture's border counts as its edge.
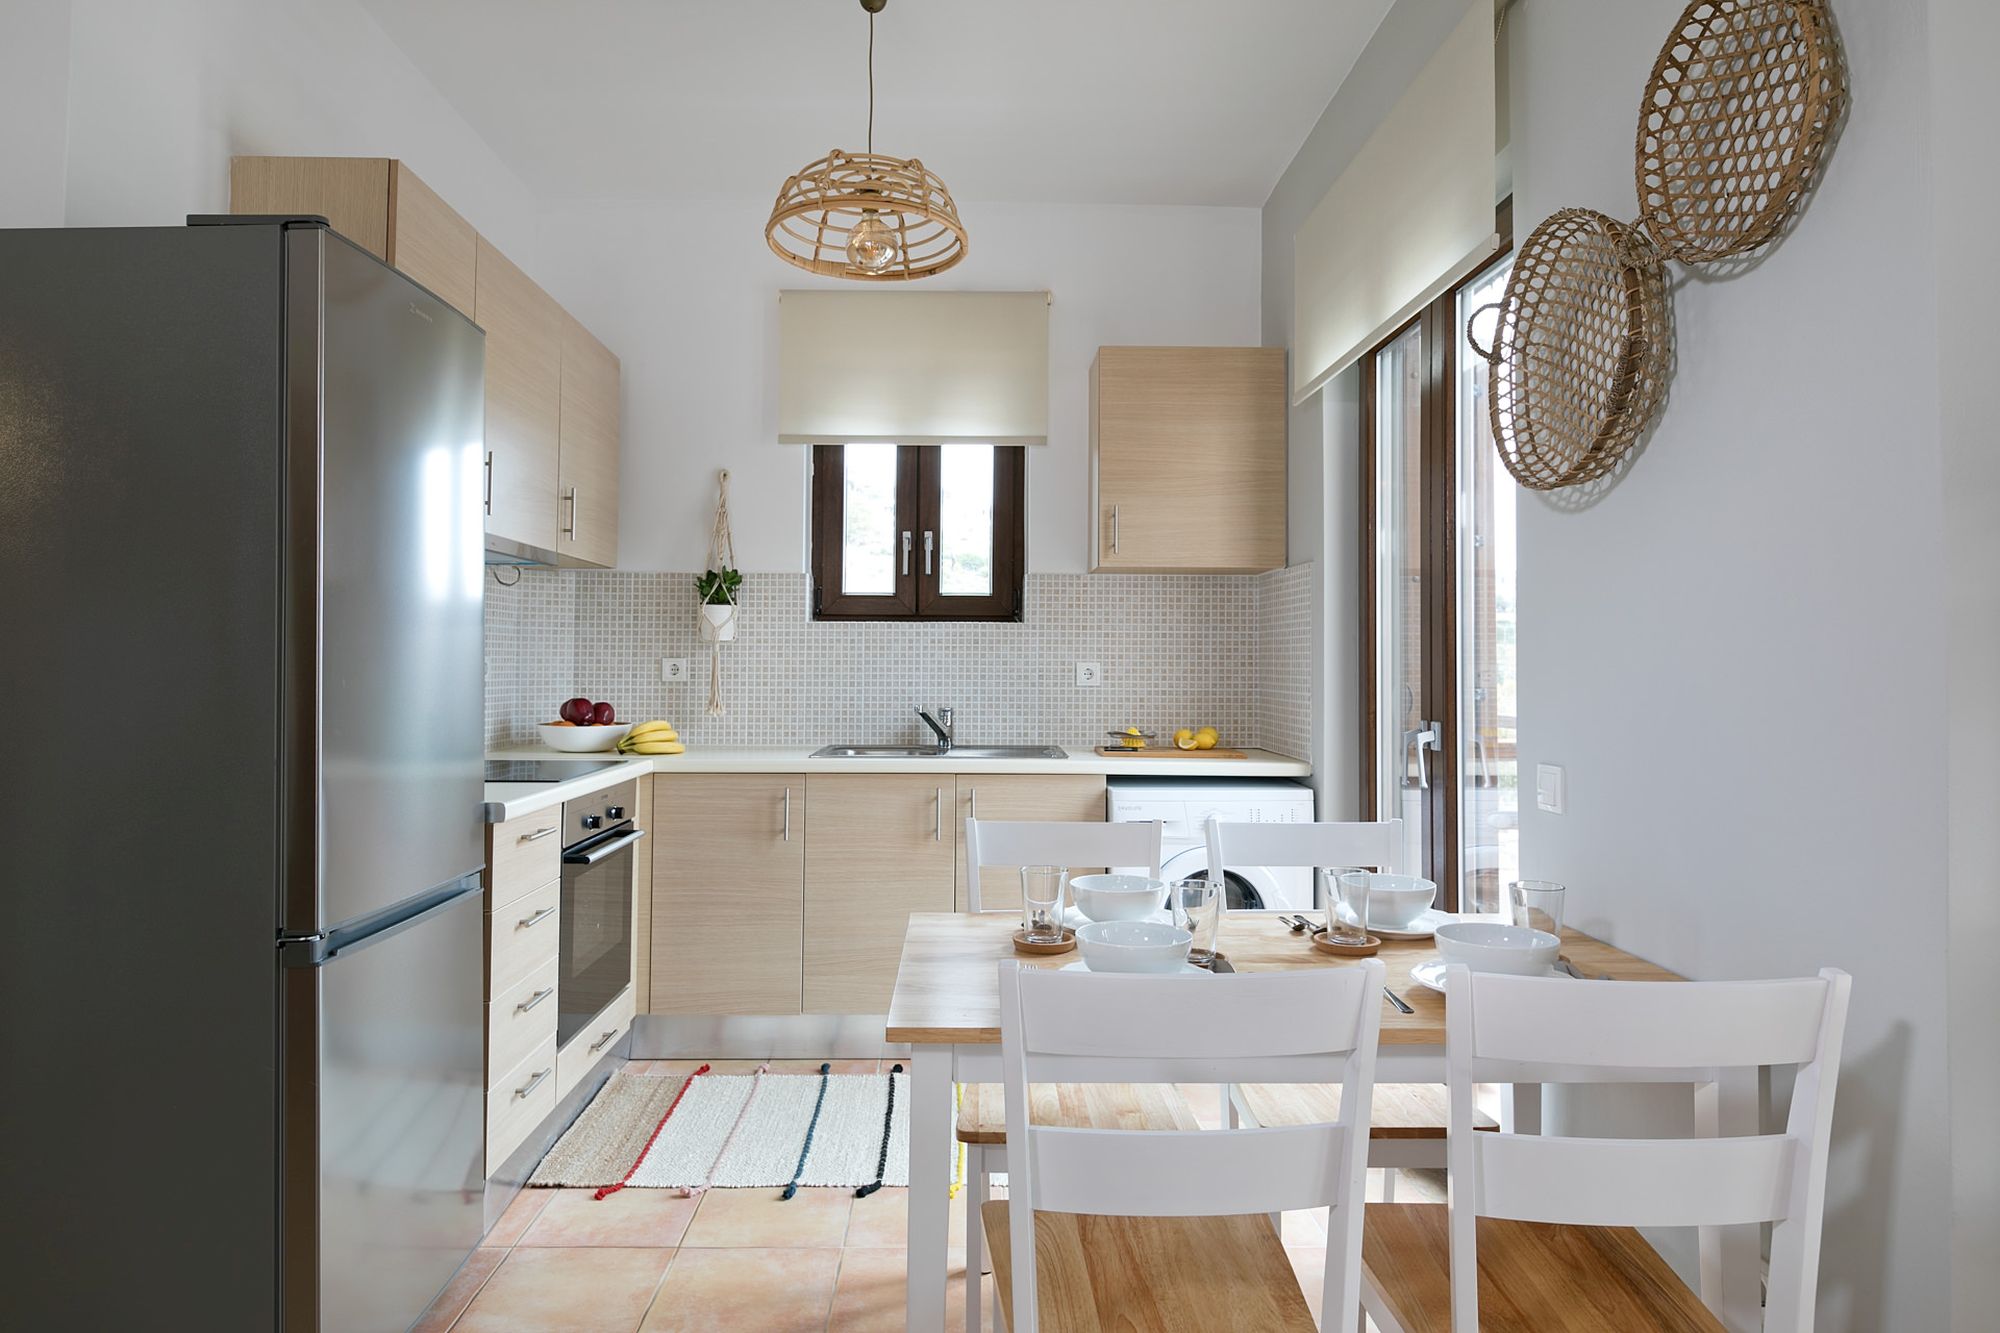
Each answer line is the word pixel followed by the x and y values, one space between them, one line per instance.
pixel 865 215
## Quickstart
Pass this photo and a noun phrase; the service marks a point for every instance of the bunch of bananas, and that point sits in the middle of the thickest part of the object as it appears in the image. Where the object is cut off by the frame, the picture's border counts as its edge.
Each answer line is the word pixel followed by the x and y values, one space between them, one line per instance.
pixel 652 738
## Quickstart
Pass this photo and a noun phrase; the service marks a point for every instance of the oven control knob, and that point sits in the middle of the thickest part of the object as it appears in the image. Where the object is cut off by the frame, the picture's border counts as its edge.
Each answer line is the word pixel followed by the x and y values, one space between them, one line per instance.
pixel 614 812
pixel 593 821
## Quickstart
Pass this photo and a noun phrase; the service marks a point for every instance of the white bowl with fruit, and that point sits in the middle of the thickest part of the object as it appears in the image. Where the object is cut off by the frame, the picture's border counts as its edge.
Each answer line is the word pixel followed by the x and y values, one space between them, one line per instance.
pixel 585 728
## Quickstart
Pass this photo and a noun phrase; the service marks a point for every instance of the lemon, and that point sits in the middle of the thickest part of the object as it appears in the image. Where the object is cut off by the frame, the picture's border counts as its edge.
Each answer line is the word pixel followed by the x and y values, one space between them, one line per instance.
pixel 1131 731
pixel 1184 739
pixel 1206 738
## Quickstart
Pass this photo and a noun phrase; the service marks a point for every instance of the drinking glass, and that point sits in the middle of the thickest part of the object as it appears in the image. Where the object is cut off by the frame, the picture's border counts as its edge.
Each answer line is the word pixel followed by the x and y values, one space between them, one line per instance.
pixel 1537 903
pixel 1041 903
pixel 1347 905
pixel 1198 911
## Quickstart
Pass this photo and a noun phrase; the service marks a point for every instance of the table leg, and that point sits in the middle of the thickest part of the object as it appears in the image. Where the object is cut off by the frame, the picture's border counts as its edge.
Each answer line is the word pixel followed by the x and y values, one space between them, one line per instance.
pixel 1521 1112
pixel 1731 1257
pixel 930 1185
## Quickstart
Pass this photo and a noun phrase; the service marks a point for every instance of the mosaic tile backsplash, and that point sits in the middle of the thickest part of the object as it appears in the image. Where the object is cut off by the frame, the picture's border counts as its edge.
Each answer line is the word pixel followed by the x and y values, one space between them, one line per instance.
pixel 1232 652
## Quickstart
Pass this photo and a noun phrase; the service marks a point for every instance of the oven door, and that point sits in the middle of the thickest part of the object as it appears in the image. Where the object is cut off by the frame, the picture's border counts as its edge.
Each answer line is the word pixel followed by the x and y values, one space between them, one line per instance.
pixel 596 925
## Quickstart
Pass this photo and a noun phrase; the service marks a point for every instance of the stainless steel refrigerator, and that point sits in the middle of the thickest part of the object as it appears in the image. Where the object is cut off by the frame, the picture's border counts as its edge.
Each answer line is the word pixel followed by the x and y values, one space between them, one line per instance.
pixel 240 830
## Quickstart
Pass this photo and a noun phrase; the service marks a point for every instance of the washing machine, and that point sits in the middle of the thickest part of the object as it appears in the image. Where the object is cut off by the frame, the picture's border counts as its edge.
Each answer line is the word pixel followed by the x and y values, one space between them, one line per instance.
pixel 1183 806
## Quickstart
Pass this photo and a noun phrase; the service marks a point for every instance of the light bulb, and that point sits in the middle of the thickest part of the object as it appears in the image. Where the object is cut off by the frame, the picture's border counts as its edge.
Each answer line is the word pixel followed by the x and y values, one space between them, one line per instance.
pixel 871 246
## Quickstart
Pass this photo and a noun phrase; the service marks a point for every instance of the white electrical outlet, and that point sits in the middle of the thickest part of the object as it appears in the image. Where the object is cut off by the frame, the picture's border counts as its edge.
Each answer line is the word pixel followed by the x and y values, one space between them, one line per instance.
pixel 674 670
pixel 1087 675
pixel 1551 788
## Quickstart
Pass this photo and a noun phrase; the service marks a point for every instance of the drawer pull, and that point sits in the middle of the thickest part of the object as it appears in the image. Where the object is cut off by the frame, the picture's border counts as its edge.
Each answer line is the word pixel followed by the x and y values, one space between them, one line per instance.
pixel 534 920
pixel 532 1083
pixel 538 834
pixel 535 999
pixel 603 1041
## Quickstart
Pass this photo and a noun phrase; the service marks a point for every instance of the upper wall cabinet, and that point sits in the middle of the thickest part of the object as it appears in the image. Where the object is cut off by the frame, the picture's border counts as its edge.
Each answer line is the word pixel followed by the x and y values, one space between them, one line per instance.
pixel 377 203
pixel 1187 459
pixel 587 487
pixel 552 433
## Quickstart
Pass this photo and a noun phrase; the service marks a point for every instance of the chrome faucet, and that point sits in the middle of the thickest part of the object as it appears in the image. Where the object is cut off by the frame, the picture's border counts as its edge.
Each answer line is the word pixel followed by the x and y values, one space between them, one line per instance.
pixel 942 725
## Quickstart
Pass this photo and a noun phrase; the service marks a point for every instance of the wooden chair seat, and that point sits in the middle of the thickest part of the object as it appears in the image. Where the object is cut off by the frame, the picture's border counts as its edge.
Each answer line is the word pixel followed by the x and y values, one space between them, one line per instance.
pixel 1534 1277
pixel 1401 1110
pixel 1153 1274
pixel 982 1110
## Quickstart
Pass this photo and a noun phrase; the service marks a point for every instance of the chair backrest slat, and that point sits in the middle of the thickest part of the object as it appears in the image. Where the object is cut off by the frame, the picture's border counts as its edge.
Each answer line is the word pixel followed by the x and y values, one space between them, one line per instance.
pixel 1276 1014
pixel 1641 1024
pixel 1369 846
pixel 1197 1173
pixel 1004 842
pixel 1634 1182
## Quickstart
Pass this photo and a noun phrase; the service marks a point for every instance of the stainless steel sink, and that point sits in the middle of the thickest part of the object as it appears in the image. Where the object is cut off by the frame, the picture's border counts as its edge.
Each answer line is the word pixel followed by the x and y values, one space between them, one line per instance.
pixel 934 752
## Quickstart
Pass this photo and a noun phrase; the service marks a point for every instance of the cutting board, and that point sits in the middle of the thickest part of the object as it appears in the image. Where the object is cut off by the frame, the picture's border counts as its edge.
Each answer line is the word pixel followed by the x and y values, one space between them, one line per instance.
pixel 1168 752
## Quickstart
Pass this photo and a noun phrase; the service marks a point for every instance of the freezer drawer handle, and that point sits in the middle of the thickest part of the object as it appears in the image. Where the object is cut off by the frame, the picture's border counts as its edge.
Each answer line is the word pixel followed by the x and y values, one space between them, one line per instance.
pixel 602 1041
pixel 603 849
pixel 534 920
pixel 538 834
pixel 535 999
pixel 532 1083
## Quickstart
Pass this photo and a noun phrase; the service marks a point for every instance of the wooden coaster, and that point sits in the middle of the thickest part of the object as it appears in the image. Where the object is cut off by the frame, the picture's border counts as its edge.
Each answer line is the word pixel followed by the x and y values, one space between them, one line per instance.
pixel 1067 943
pixel 1326 945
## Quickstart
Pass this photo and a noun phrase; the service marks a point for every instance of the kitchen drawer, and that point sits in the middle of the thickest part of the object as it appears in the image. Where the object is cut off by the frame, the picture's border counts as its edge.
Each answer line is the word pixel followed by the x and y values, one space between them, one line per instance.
pixel 523 854
pixel 588 1046
pixel 522 936
pixel 518 1101
pixel 520 1021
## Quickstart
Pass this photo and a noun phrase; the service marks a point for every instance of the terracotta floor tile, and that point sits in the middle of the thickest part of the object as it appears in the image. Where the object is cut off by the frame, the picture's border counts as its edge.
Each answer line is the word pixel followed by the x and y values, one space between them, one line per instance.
pixel 1309 1262
pixel 872 1285
pixel 881 1221
pixel 642 1217
pixel 755 1290
pixel 815 1218
pixel 458 1293
pixel 527 1206
pixel 570 1290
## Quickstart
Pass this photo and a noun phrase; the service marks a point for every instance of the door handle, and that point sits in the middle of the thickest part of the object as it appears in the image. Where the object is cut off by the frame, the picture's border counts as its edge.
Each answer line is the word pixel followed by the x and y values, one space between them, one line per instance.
pixel 489 481
pixel 535 999
pixel 532 1083
pixel 536 919
pixel 937 833
pixel 929 543
pixel 572 513
pixel 1114 529
pixel 538 834
pixel 906 555
pixel 1426 737
pixel 788 814
pixel 599 1044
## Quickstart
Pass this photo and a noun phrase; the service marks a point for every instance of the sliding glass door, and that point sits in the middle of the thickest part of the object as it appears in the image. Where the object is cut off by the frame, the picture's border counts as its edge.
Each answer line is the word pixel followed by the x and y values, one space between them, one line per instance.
pixel 1438 671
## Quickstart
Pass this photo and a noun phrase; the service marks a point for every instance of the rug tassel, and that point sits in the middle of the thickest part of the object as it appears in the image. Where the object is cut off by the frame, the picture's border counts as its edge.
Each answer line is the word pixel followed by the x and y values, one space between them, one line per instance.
pixel 792 1186
pixel 888 1124
pixel 609 1190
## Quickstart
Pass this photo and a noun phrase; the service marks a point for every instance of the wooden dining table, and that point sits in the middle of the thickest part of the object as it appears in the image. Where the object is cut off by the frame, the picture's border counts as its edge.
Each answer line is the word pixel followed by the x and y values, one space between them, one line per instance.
pixel 946 1009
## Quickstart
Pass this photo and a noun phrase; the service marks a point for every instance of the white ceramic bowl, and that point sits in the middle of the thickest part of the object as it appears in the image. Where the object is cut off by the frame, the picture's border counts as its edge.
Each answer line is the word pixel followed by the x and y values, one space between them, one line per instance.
pixel 1491 946
pixel 1132 946
pixel 1394 901
pixel 582 740
pixel 1118 897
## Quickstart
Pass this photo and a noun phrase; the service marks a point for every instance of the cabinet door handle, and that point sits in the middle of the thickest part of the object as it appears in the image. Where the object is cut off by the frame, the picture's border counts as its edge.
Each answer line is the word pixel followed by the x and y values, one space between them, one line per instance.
pixel 788 814
pixel 937 834
pixel 536 919
pixel 600 1043
pixel 489 481
pixel 535 999
pixel 572 514
pixel 972 805
pixel 538 834
pixel 1114 529
pixel 532 1083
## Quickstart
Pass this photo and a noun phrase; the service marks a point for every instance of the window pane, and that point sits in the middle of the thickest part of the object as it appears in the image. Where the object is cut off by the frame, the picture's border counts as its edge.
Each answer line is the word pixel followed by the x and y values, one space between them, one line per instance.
pixel 1489 772
pixel 965 515
pixel 868 519
pixel 1403 764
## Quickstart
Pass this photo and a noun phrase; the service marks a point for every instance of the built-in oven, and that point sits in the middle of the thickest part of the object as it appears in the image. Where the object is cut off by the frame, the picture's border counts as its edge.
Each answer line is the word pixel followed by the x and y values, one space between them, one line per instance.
pixel 596 921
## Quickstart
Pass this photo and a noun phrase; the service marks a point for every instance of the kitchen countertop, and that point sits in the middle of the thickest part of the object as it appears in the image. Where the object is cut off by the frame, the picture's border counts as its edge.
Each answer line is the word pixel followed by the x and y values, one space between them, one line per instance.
pixel 509 800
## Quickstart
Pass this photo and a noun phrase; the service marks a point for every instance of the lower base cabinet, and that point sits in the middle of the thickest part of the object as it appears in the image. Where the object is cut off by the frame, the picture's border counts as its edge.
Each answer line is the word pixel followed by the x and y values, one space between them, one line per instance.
pixel 1077 797
pixel 878 847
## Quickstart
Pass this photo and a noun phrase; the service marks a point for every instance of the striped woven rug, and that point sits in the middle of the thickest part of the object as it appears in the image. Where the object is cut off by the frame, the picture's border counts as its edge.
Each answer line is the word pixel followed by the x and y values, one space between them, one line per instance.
pixel 704 1130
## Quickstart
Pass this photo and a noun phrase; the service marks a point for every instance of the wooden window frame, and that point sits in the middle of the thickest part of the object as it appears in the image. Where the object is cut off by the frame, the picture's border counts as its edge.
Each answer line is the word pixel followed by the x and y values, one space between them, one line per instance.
pixel 917 595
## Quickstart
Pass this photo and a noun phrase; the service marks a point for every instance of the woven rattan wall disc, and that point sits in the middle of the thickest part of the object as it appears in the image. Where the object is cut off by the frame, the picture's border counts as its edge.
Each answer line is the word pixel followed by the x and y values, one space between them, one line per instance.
pixel 1581 350
pixel 1735 121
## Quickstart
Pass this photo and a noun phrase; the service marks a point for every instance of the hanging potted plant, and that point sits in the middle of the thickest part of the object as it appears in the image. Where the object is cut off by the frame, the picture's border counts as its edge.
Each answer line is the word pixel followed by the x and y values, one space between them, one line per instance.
pixel 717 589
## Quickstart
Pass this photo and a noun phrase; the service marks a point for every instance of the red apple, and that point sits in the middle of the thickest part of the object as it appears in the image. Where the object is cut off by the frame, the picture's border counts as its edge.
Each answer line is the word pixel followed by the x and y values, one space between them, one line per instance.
pixel 576 710
pixel 603 715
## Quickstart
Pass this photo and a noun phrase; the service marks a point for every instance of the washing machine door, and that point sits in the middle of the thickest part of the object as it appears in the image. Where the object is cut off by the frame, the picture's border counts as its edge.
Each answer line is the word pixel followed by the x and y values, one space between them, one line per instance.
pixel 1249 889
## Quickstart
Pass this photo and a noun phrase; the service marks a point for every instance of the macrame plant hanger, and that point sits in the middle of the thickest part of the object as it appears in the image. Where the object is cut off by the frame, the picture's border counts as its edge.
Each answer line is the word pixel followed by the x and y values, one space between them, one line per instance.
pixel 721 557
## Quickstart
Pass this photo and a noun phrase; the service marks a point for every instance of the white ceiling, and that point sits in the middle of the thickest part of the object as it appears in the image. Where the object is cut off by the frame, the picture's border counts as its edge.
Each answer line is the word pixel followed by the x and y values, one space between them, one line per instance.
pixel 1095 101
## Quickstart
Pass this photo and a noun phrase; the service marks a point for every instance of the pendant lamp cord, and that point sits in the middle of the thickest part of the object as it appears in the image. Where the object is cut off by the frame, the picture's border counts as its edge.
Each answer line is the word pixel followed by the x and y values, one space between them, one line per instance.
pixel 871 83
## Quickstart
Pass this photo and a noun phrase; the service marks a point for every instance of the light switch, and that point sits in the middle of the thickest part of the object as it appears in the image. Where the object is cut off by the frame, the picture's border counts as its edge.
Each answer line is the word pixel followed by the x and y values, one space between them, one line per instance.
pixel 1087 675
pixel 674 670
pixel 1551 788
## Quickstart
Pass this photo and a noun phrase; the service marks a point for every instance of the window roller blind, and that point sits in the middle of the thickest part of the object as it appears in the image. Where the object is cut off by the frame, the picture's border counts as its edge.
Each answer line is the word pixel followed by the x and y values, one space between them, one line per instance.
pixel 1410 216
pixel 913 367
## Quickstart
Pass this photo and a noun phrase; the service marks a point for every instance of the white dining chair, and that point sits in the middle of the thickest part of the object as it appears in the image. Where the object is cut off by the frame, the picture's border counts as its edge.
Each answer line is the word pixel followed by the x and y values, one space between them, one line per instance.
pixel 1408 1120
pixel 1167 1230
pixel 1592 1271
pixel 982 1125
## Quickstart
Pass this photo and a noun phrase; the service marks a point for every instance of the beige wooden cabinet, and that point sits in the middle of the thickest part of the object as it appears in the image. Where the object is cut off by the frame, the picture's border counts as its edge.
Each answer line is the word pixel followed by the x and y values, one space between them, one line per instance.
pixel 376 202
pixel 1026 796
pixel 729 893
pixel 878 847
pixel 523 401
pixel 1187 459
pixel 587 449
pixel 523 882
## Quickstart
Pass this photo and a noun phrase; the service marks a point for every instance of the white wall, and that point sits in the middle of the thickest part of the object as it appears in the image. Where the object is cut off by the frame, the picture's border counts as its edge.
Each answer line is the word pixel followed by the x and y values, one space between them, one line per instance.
pixel 688 298
pixel 161 93
pixel 34 97
pixel 1739 652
